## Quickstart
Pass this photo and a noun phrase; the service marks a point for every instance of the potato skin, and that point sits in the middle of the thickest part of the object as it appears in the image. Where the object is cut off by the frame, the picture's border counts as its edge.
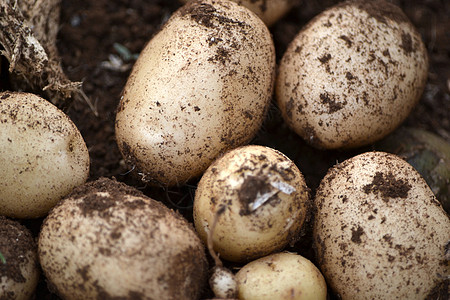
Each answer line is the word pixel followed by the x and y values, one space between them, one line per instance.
pixel 352 75
pixel 237 181
pixel 201 86
pixel 109 241
pixel 379 231
pixel 42 155
pixel 281 276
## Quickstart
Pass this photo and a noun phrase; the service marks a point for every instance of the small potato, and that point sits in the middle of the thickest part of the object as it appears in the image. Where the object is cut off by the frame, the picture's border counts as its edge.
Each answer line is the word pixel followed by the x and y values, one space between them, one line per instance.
pixel 223 283
pixel 108 241
pixel 19 269
pixel 270 11
pixel 263 200
pixel 42 155
pixel 281 276
pixel 352 75
pixel 200 87
pixel 379 231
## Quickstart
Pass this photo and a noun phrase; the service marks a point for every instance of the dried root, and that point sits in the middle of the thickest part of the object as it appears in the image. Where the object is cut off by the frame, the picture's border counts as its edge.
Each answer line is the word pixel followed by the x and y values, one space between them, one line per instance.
pixel 28 30
pixel 222 280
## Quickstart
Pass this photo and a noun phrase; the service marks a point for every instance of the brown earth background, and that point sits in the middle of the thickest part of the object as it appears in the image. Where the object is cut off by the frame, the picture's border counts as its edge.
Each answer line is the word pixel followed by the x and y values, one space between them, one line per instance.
pixel 91 32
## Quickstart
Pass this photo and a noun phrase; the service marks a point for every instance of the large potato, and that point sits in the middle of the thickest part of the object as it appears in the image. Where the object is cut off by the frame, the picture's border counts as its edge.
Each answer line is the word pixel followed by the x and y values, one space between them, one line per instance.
pixel 201 86
pixel 108 241
pixel 42 155
pixel 352 75
pixel 379 231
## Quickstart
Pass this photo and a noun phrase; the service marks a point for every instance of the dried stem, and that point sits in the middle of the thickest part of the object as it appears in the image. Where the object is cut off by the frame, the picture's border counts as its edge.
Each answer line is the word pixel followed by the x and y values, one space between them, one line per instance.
pixel 28 30
pixel 216 258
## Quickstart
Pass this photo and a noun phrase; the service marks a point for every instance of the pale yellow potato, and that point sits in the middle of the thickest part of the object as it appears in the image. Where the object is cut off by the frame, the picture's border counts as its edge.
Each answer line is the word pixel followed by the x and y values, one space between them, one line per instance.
pixel 19 266
pixel 352 75
pixel 265 201
pixel 223 283
pixel 379 231
pixel 109 241
pixel 281 276
pixel 42 155
pixel 270 11
pixel 201 86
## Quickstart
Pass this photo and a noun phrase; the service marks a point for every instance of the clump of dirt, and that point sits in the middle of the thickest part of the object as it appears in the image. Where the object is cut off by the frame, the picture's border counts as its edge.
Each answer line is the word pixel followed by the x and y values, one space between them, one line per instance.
pixel 356 235
pixel 388 186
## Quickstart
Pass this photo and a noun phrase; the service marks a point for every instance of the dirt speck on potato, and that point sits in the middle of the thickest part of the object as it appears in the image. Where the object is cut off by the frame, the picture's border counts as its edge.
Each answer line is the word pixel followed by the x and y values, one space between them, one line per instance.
pixel 201 13
pixel 407 44
pixel 356 235
pixel 204 14
pixel 333 105
pixel 95 202
pixel 388 186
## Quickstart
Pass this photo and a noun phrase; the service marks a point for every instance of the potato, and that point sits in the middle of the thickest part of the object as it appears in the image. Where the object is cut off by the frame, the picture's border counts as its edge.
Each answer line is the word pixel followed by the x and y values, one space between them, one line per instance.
pixel 200 87
pixel 270 11
pixel 42 155
pixel 352 75
pixel 264 200
pixel 223 283
pixel 281 276
pixel 109 241
pixel 379 231
pixel 19 269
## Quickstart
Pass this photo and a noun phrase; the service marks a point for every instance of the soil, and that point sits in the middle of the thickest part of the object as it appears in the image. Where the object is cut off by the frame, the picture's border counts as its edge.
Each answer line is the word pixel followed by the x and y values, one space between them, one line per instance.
pixel 99 40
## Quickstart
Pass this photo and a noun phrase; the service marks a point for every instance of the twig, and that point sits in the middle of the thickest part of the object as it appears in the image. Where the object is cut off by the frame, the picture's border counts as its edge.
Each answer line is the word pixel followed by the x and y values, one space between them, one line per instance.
pixel 216 258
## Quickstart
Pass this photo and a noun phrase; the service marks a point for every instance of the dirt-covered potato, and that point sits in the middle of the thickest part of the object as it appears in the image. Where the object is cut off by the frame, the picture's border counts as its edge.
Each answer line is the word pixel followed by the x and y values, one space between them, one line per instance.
pixel 352 75
pixel 108 241
pixel 19 270
pixel 270 11
pixel 42 155
pixel 200 87
pixel 263 200
pixel 379 231
pixel 281 276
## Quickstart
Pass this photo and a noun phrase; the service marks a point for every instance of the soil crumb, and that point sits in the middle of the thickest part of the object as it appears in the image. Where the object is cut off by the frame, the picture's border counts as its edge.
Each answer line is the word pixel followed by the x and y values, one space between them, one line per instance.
pixel 388 186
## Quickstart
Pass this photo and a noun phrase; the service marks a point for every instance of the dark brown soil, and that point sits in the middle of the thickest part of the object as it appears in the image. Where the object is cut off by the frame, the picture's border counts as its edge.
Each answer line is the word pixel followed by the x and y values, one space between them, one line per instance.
pixel 93 31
